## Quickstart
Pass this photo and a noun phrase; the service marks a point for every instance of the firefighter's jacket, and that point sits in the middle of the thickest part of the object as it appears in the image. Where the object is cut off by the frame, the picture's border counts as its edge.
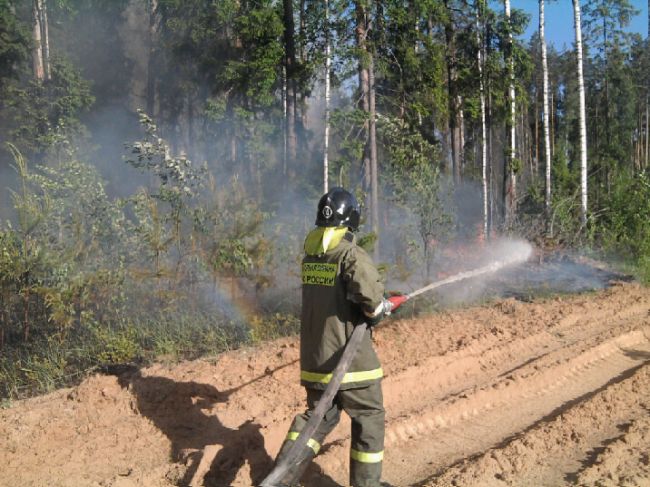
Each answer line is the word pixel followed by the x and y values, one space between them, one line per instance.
pixel 339 284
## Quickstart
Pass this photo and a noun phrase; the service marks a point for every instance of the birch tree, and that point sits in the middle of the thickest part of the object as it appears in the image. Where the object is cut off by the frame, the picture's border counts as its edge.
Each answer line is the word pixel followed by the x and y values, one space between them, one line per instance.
pixel 509 174
pixel 582 112
pixel 545 111
pixel 45 34
pixel 328 67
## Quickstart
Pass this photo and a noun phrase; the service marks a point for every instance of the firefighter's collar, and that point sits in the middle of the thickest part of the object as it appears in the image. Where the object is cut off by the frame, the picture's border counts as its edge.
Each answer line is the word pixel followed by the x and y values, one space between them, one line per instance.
pixel 322 239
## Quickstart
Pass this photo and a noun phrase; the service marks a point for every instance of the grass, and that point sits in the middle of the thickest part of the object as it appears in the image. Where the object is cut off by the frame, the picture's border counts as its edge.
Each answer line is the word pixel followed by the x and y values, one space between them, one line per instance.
pixel 48 363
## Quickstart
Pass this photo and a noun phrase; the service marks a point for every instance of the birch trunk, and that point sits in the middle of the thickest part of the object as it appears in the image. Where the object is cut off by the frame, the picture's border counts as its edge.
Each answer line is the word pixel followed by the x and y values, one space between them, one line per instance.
pixel 45 29
pixel 328 63
pixel 509 175
pixel 582 113
pixel 37 48
pixel 545 113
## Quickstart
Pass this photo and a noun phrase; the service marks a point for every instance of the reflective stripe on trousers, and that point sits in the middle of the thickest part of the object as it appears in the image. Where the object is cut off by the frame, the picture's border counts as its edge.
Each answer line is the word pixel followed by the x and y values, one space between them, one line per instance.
pixel 366 410
pixel 365 456
pixel 361 376
pixel 311 443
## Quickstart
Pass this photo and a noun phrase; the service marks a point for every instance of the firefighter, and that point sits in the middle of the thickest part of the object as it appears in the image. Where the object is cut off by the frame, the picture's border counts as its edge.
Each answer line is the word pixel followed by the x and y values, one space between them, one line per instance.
pixel 341 288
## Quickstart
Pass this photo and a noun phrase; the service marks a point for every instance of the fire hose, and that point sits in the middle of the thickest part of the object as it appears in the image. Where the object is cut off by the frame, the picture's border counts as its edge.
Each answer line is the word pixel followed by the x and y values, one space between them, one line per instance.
pixel 282 467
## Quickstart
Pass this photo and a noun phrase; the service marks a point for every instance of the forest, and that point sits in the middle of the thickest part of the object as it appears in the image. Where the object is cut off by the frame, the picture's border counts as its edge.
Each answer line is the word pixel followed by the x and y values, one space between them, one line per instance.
pixel 161 160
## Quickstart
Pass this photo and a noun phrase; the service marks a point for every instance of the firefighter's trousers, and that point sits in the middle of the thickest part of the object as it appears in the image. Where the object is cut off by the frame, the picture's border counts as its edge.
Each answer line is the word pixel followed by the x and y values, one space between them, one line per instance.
pixel 366 410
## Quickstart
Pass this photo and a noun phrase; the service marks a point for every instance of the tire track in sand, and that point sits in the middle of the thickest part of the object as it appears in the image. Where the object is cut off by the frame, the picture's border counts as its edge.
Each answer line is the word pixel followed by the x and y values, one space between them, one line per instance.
pixel 476 404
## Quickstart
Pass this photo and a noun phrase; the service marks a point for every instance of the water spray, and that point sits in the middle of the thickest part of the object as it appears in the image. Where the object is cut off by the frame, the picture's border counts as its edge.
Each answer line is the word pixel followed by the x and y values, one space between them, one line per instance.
pixel 290 463
pixel 487 269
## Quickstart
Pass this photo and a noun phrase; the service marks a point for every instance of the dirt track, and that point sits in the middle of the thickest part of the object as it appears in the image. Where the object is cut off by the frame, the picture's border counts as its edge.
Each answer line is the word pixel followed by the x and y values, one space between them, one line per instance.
pixel 553 392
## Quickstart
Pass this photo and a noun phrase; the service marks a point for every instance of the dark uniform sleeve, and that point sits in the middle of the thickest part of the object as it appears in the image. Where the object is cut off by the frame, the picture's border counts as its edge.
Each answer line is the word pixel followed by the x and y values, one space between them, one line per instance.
pixel 364 285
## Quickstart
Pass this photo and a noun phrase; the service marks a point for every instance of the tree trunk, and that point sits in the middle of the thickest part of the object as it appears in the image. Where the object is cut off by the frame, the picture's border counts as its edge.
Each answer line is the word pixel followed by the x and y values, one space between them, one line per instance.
pixel 509 175
pixel 647 131
pixel 492 190
pixel 303 60
pixel 328 63
pixel 484 179
pixel 154 22
pixel 608 136
pixel 374 199
pixel 582 113
pixel 536 136
pixel 290 64
pixel 45 28
pixel 285 120
pixel 551 119
pixel 461 141
pixel 638 144
pixel 545 112
pixel 364 87
pixel 37 47
pixel 452 93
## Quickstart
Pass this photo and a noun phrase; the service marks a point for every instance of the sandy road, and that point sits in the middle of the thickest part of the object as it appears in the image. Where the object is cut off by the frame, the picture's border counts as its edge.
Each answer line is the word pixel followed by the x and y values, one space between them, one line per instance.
pixel 553 392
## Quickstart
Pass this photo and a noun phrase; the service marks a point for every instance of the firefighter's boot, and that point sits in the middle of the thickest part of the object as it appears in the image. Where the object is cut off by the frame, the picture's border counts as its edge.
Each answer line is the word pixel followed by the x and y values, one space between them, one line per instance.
pixel 297 468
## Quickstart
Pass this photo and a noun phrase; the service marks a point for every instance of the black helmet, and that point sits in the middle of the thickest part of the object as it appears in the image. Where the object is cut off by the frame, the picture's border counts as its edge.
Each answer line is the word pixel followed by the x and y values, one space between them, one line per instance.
pixel 338 208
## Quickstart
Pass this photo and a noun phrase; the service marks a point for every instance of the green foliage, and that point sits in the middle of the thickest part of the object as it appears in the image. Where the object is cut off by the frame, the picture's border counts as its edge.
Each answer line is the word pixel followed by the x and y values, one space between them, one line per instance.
pixel 14 42
pixel 115 347
pixel 86 278
pixel 39 114
pixel 416 183
pixel 348 123
pixel 624 228
pixel 82 272
pixel 270 327
pixel 223 61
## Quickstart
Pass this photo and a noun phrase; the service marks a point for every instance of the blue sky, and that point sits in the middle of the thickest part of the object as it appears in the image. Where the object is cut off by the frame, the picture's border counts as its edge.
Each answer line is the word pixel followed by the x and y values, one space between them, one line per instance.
pixel 559 20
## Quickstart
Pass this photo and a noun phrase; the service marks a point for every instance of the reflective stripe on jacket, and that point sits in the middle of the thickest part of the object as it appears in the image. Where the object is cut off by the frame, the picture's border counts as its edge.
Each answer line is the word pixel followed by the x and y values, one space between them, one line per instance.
pixel 339 283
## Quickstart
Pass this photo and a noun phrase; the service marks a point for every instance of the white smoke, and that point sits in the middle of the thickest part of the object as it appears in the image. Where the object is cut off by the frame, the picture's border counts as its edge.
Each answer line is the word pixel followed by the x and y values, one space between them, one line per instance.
pixel 470 270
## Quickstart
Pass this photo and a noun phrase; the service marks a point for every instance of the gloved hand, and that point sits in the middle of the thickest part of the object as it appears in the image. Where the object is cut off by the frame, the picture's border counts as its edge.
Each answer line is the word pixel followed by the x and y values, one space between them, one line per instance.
pixel 378 313
pixel 386 307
